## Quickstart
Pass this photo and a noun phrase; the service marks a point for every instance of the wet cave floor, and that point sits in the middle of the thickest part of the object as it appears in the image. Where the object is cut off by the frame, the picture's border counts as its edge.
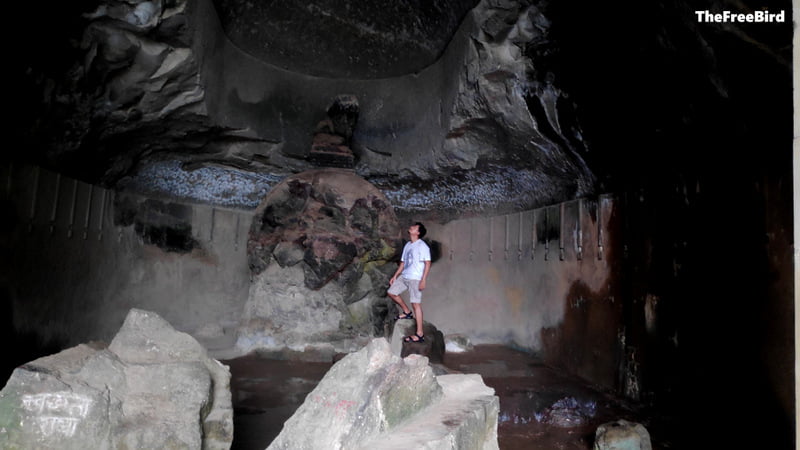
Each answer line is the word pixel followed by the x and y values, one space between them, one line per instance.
pixel 539 408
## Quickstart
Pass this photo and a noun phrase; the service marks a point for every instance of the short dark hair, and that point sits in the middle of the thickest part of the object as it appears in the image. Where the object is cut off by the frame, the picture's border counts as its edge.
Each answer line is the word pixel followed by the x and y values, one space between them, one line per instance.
pixel 421 228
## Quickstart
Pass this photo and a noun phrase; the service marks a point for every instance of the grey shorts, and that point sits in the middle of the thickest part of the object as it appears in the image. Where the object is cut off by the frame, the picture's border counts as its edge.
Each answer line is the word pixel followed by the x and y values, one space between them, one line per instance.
pixel 401 284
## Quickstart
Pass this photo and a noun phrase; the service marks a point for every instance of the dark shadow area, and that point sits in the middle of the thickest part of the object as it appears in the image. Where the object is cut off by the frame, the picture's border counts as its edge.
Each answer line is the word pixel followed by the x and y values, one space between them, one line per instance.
pixel 690 125
pixel 265 393
pixel 20 347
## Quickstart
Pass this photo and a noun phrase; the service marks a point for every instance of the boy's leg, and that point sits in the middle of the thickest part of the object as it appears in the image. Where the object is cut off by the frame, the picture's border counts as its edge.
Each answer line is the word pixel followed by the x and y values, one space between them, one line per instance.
pixel 394 293
pixel 418 317
pixel 399 300
pixel 415 296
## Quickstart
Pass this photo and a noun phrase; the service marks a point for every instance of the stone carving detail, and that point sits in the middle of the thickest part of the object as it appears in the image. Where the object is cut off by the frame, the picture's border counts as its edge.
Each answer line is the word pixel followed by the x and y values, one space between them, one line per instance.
pixel 331 144
pixel 317 250
pixel 57 412
pixel 66 403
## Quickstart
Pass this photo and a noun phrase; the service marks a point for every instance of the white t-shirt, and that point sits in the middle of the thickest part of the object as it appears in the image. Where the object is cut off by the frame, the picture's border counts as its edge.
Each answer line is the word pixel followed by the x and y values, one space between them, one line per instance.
pixel 414 256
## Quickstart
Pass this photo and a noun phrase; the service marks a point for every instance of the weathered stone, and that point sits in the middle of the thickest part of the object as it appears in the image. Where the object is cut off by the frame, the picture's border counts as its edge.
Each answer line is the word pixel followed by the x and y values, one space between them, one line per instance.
pixel 375 39
pixel 323 139
pixel 363 394
pixel 283 312
pixel 372 399
pixel 325 257
pixel 153 387
pixel 464 419
pixel 457 343
pixel 288 253
pixel 148 340
pixel 343 115
pixel 622 435
pixel 330 146
pixel 331 234
pixel 164 224
pixel 432 347
pixel 142 91
pixel 568 412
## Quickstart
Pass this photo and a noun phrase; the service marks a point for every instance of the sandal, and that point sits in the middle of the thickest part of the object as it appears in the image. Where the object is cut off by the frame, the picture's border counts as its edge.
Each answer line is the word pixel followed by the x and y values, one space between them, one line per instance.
pixel 408 315
pixel 412 338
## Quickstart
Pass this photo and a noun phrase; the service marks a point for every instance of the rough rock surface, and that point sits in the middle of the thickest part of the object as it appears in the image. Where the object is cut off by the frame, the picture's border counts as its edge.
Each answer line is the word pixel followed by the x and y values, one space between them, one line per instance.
pixel 137 91
pixel 375 39
pixel 506 106
pixel 622 435
pixel 132 77
pixel 373 399
pixel 433 347
pixel 318 252
pixel 465 419
pixel 153 387
pixel 330 146
pixel 457 343
pixel 567 412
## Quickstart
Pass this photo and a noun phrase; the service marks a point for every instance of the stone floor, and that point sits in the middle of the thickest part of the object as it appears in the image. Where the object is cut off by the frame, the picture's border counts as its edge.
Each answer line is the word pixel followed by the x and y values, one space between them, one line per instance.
pixel 539 408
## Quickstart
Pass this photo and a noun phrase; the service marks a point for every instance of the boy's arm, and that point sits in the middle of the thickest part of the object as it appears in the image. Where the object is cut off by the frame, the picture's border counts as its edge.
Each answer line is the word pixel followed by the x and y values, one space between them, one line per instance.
pixel 397 273
pixel 424 275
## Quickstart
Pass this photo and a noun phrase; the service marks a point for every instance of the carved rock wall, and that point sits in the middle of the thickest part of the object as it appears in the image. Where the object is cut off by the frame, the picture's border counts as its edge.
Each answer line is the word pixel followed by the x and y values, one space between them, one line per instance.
pixel 318 252
pixel 155 85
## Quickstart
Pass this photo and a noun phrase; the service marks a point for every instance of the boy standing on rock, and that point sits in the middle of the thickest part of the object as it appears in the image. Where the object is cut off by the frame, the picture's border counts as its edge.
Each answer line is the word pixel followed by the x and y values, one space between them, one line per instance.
pixel 415 263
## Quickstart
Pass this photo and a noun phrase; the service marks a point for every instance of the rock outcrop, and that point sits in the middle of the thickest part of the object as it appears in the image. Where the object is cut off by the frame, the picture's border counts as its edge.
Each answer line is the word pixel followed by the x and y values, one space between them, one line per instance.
pixel 433 347
pixel 373 399
pixel 318 252
pixel 152 387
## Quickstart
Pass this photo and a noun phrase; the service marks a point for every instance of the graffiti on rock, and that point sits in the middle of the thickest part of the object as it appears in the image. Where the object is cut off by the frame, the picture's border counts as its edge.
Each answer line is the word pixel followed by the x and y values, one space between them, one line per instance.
pixel 57 413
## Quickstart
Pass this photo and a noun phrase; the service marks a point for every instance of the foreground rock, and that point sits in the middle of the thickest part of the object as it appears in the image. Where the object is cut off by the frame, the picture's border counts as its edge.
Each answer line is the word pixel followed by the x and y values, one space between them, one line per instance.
pixel 153 387
pixel 373 399
pixel 622 435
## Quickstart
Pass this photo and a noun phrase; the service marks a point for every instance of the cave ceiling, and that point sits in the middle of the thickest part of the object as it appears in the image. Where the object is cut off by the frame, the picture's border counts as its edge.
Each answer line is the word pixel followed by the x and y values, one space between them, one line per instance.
pixel 344 39
pixel 456 107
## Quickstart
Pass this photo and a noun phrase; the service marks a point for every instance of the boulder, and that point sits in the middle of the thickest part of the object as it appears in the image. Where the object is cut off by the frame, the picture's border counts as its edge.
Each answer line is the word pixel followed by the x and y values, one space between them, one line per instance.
pixel 432 347
pixel 464 419
pixel 457 343
pixel 152 387
pixel 373 399
pixel 622 435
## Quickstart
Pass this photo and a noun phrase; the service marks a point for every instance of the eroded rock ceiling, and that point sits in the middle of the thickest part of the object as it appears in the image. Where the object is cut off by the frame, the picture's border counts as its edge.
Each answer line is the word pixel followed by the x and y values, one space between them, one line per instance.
pixel 353 40
pixel 463 107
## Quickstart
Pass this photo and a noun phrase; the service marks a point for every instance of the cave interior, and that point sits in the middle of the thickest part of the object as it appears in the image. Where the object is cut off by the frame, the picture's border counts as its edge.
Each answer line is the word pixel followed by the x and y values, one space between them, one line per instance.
pixel 675 131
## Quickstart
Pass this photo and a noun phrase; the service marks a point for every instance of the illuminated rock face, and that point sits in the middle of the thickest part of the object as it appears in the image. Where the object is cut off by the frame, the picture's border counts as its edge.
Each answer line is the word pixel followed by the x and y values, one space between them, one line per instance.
pixel 153 387
pixel 373 399
pixel 318 253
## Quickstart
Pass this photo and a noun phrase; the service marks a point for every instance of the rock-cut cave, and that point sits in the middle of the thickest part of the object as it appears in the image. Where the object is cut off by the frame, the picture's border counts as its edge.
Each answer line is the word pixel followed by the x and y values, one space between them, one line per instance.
pixel 607 189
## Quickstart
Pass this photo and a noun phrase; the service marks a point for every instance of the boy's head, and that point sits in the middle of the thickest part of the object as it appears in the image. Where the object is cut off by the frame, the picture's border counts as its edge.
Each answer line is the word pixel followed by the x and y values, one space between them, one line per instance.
pixel 421 229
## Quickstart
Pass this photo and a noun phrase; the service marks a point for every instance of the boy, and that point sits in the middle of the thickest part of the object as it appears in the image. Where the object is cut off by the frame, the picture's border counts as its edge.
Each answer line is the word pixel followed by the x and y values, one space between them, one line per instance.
pixel 411 275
